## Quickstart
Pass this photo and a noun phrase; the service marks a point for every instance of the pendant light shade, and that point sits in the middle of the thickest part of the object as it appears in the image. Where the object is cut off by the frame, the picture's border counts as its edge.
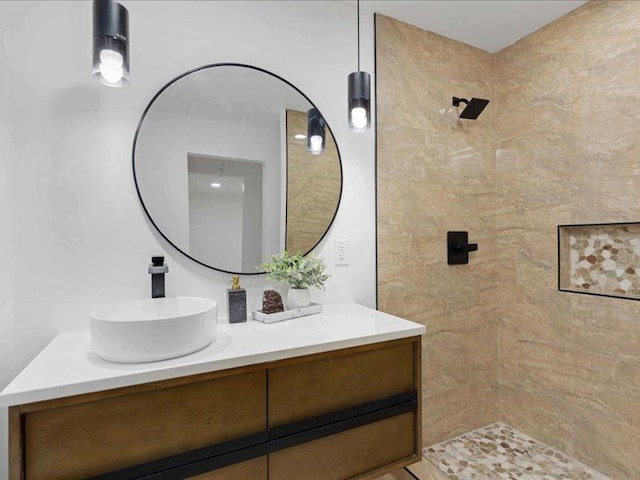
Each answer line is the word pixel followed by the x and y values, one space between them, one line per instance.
pixel 359 88
pixel 359 101
pixel 110 43
pixel 315 132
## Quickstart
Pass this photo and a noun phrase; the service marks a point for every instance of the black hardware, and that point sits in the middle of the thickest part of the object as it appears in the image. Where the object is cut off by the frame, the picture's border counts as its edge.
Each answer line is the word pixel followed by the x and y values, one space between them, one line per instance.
pixel 145 113
pixel 213 456
pixel 110 19
pixel 474 107
pixel 157 269
pixel 341 426
pixel 458 248
pixel 315 130
pixel 315 422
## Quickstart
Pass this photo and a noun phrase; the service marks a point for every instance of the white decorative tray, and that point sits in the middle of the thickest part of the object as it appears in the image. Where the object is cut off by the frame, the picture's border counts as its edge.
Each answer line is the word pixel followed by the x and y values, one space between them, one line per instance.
pixel 287 314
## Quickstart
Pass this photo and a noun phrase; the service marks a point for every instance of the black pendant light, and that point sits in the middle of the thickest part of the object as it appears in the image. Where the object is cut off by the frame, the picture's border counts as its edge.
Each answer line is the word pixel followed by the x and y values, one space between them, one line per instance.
pixel 315 132
pixel 110 43
pixel 359 85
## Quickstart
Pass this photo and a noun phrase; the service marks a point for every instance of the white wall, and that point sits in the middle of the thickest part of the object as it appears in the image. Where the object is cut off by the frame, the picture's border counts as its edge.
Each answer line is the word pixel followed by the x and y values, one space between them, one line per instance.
pixel 164 141
pixel 80 237
pixel 216 227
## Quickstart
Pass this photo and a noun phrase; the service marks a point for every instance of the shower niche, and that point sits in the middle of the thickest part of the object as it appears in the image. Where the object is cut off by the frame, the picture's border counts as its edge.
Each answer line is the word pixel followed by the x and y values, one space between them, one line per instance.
pixel 600 259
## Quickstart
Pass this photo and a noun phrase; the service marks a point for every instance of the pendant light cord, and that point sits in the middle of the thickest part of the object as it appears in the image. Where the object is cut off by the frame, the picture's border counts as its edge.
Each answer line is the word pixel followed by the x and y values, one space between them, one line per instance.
pixel 358 3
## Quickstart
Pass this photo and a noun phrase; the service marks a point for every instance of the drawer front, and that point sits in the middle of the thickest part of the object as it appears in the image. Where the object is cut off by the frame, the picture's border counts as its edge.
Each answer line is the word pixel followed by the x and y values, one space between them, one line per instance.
pixel 85 439
pixel 348 454
pixel 325 385
pixel 255 469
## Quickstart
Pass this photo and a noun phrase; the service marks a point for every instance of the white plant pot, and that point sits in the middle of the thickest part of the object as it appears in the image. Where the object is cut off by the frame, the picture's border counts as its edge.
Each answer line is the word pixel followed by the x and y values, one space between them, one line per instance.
pixel 298 298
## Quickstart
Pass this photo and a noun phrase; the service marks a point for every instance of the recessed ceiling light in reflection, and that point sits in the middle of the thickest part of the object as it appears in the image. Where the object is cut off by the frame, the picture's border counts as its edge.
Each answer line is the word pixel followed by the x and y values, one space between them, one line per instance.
pixel 215 185
pixel 300 136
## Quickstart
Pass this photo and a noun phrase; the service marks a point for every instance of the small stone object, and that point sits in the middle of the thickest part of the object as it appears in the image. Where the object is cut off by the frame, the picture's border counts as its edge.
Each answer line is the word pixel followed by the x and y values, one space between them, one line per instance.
pixel 272 302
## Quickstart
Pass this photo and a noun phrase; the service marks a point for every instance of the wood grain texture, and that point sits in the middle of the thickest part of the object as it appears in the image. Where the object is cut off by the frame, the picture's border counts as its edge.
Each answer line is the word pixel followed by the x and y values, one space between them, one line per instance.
pixel 313 186
pixel 150 386
pixel 144 387
pixel 255 469
pixel 424 470
pixel 16 444
pixel 417 385
pixel 301 391
pixel 103 435
pixel 364 452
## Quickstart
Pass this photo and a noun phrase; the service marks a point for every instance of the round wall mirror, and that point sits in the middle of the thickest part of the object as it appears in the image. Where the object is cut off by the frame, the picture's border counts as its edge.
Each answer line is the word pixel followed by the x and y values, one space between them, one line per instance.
pixel 233 163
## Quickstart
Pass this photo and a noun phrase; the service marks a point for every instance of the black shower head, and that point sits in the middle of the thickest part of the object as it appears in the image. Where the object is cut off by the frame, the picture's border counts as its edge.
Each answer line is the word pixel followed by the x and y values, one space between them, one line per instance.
pixel 474 107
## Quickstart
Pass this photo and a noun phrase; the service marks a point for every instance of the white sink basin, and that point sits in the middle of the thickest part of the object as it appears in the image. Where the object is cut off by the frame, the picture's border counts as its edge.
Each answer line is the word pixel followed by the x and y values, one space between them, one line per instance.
pixel 153 329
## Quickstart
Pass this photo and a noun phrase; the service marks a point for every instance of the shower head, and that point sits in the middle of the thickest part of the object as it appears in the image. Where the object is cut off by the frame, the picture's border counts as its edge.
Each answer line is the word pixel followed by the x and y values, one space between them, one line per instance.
pixel 474 107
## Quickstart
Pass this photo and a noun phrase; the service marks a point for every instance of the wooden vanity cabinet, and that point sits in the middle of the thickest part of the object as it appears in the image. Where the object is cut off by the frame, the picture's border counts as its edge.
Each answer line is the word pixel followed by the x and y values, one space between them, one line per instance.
pixel 351 413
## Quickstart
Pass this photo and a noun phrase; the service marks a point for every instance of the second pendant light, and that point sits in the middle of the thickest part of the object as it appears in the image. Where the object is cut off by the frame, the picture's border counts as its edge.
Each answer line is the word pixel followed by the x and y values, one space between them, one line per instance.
pixel 359 87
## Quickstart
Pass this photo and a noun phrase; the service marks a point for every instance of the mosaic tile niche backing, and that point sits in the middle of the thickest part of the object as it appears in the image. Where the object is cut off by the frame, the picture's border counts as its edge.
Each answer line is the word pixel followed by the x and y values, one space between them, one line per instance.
pixel 600 259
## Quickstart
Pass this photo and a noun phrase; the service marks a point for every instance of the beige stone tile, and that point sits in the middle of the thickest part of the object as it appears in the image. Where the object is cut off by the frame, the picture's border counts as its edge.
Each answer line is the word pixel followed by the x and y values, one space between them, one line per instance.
pixel 547 368
pixel 537 260
pixel 458 358
pixel 457 411
pixel 606 326
pixel 507 355
pixel 541 416
pixel 538 314
pixel 430 53
pixel 608 386
pixel 556 145
pixel 607 445
pixel 313 187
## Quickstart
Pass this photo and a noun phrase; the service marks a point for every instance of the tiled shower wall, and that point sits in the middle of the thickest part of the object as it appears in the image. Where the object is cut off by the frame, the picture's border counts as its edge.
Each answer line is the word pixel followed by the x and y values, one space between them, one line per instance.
pixel 568 152
pixel 435 175
pixel 558 144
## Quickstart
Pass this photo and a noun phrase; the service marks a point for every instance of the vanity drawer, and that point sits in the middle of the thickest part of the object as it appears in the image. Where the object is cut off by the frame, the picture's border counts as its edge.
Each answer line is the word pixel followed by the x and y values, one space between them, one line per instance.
pixel 94 437
pixel 333 382
pixel 255 469
pixel 354 453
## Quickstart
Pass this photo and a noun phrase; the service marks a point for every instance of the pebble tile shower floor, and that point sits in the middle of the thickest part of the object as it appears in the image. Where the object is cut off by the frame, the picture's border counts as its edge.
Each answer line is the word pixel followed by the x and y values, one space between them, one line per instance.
pixel 499 451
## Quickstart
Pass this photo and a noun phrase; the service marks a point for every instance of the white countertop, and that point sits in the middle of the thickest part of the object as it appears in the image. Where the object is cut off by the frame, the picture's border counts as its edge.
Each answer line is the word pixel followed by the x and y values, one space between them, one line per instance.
pixel 67 366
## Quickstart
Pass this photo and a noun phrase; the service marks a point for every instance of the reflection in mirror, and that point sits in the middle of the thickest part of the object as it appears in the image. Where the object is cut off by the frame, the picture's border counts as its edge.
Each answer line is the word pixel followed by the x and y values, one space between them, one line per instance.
pixel 225 192
pixel 311 183
pixel 223 171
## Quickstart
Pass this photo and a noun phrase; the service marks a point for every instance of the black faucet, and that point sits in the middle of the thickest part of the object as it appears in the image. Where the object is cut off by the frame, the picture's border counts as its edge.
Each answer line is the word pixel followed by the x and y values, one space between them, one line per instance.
pixel 157 269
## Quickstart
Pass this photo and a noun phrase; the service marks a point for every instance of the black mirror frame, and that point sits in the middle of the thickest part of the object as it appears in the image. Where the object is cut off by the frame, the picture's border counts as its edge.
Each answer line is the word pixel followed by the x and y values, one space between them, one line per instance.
pixel 135 178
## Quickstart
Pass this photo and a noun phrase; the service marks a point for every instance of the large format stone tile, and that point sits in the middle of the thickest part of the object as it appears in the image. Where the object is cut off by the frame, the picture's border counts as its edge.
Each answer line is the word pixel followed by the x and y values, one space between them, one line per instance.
pixel 608 386
pixel 546 368
pixel 610 446
pixel 456 358
pixel 542 416
pixel 458 410
pixel 557 145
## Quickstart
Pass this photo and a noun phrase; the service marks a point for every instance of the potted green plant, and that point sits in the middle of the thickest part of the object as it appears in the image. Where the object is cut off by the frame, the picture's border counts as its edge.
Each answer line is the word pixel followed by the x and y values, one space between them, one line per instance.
pixel 299 272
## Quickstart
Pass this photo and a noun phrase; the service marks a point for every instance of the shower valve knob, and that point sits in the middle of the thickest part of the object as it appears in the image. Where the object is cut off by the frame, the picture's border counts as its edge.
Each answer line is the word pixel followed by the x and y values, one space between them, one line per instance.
pixel 458 248
pixel 465 247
